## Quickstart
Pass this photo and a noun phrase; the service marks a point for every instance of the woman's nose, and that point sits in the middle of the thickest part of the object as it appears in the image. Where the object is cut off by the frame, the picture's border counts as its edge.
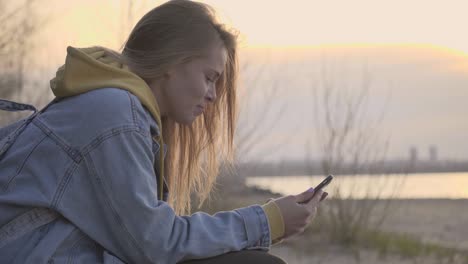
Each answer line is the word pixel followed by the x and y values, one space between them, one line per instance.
pixel 211 95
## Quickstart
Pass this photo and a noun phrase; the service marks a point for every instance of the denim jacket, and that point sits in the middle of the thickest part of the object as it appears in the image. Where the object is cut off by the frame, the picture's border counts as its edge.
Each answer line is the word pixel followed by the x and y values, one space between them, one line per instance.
pixel 90 159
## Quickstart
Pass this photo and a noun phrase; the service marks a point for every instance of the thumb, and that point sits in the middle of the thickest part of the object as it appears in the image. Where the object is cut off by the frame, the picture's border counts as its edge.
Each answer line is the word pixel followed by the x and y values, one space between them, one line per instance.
pixel 307 195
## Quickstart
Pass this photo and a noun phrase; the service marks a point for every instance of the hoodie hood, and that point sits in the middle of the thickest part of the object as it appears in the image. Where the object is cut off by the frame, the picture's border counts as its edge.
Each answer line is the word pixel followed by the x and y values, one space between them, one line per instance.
pixel 86 69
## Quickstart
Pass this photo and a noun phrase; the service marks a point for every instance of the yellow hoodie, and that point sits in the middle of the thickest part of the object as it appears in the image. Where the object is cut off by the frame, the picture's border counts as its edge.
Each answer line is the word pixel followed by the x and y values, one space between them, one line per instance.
pixel 86 69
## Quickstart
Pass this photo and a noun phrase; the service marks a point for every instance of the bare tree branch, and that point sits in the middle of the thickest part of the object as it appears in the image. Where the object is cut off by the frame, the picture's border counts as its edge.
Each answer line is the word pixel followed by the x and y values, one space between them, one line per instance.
pixel 250 129
pixel 349 137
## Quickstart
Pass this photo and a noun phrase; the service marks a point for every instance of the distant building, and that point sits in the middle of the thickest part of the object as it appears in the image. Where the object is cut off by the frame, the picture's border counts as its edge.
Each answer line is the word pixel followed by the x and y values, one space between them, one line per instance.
pixel 432 153
pixel 413 152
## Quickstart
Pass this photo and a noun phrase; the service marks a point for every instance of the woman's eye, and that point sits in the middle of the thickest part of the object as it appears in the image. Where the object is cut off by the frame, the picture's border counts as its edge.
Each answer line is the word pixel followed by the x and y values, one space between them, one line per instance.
pixel 208 79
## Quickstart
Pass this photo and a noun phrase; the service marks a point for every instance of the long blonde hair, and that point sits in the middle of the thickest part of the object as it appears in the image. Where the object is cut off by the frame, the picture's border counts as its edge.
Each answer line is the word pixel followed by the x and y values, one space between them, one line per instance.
pixel 174 33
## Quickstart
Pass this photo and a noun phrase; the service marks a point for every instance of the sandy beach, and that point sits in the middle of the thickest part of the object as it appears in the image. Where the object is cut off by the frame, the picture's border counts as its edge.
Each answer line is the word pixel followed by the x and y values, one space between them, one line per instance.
pixel 439 222
pixel 442 222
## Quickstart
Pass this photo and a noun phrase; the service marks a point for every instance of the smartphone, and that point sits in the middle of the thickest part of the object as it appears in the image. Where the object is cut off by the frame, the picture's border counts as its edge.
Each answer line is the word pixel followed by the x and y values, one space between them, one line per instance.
pixel 320 186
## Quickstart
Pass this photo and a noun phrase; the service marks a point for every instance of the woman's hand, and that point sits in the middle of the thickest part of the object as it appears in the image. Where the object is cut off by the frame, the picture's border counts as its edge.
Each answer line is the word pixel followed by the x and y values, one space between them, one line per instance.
pixel 297 215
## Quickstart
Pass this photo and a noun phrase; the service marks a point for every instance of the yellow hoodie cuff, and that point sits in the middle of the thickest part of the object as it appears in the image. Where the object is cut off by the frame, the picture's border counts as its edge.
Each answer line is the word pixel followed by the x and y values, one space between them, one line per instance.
pixel 275 220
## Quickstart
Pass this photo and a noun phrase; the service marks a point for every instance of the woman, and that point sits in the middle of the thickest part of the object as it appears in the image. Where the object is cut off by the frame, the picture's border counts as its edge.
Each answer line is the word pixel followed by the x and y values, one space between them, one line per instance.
pixel 104 173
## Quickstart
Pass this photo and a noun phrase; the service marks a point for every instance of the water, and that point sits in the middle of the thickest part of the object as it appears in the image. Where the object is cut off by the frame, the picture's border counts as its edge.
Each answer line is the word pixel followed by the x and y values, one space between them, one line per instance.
pixel 395 186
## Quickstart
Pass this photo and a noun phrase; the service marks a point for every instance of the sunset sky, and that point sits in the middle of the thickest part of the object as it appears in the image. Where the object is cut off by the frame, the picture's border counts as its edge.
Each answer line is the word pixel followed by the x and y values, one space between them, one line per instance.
pixel 299 22
pixel 311 22
pixel 419 47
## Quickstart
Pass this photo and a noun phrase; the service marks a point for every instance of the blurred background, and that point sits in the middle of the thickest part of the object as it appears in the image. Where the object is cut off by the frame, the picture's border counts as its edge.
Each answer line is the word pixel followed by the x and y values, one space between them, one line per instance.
pixel 374 92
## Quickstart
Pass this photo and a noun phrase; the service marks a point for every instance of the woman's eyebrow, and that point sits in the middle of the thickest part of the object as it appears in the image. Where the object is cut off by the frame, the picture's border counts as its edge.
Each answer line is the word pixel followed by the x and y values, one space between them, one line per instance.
pixel 217 74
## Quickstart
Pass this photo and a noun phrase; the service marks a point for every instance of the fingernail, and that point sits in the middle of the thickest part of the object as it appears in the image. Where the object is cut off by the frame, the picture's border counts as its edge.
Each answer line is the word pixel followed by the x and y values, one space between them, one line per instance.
pixel 311 189
pixel 324 195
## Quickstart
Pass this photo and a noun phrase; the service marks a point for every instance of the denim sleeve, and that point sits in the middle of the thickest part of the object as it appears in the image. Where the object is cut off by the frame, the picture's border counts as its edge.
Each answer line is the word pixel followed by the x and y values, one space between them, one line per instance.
pixel 112 197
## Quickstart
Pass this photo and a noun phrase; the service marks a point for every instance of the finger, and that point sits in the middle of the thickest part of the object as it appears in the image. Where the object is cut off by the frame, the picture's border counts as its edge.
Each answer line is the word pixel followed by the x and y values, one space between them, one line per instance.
pixel 324 195
pixel 316 199
pixel 305 196
pixel 313 213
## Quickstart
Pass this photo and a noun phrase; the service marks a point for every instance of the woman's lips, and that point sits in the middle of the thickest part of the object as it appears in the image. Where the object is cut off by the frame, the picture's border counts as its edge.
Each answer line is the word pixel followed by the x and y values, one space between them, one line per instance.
pixel 199 110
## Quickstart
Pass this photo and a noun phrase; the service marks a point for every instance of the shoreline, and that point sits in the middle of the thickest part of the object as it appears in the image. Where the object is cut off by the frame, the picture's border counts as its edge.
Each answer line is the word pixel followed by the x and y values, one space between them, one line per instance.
pixel 260 191
pixel 441 221
pixel 437 221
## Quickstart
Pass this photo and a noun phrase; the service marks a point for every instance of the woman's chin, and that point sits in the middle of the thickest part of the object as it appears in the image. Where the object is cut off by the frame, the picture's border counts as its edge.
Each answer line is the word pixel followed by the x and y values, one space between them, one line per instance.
pixel 186 120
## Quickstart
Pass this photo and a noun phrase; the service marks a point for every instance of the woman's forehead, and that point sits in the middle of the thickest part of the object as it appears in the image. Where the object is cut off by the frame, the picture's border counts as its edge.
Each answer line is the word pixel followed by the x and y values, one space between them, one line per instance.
pixel 215 58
